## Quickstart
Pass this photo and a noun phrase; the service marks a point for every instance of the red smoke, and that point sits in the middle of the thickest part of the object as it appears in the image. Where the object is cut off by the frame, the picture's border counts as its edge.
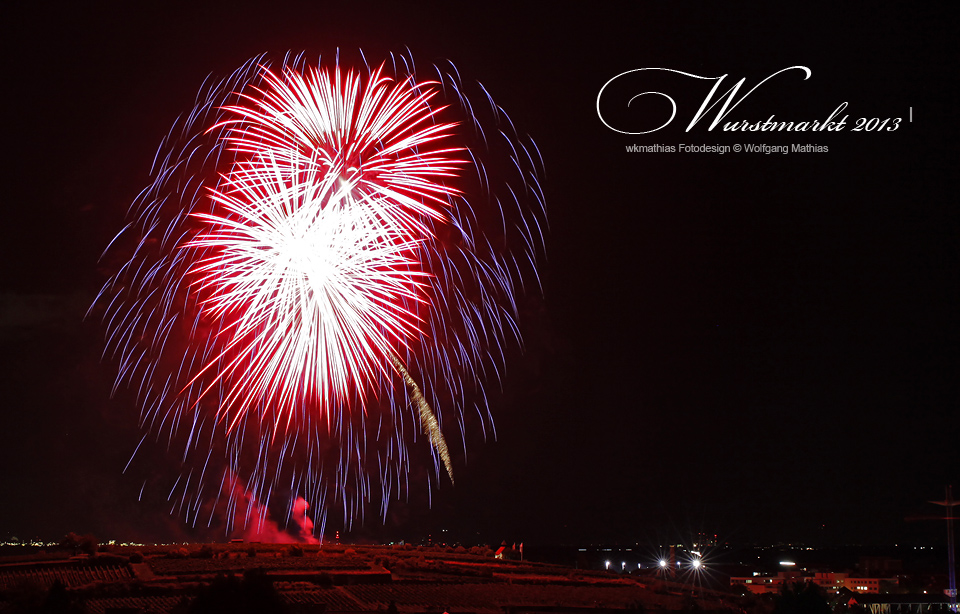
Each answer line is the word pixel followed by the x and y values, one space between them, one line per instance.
pixel 253 522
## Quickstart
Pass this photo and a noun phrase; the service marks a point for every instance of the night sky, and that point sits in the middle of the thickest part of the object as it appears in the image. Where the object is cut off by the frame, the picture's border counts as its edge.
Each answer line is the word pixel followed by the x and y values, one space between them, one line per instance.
pixel 759 346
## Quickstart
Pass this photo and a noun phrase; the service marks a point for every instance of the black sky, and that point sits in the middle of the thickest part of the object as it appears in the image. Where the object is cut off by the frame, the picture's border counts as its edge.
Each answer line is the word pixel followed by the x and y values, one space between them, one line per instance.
pixel 760 346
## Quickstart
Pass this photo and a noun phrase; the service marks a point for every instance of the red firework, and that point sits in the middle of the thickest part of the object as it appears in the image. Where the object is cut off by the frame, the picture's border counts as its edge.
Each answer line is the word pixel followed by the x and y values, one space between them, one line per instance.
pixel 306 259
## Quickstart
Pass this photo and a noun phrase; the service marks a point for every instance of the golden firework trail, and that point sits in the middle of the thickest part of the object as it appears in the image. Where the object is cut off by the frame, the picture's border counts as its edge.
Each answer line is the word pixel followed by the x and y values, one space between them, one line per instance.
pixel 428 421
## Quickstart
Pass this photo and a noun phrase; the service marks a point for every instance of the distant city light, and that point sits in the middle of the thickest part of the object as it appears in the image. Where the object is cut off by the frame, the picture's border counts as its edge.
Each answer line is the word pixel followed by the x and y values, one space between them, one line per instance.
pixel 663 563
pixel 696 563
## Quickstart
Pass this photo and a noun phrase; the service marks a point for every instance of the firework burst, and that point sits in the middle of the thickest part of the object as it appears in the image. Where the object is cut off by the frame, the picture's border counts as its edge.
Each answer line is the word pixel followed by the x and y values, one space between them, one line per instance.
pixel 325 263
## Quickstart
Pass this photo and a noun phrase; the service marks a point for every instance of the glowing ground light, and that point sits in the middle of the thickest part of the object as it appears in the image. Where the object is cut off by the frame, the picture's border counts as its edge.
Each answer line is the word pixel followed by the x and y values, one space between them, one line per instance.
pixel 326 262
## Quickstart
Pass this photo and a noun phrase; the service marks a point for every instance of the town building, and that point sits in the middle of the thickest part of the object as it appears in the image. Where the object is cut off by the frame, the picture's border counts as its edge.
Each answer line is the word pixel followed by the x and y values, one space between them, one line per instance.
pixel 828 581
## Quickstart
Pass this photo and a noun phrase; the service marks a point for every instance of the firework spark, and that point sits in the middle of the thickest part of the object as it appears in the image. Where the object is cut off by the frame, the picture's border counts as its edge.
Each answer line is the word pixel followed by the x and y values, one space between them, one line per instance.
pixel 323 255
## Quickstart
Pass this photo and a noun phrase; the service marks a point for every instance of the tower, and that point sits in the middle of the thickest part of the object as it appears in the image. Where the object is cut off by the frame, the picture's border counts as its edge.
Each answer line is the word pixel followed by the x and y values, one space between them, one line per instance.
pixel 949 503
